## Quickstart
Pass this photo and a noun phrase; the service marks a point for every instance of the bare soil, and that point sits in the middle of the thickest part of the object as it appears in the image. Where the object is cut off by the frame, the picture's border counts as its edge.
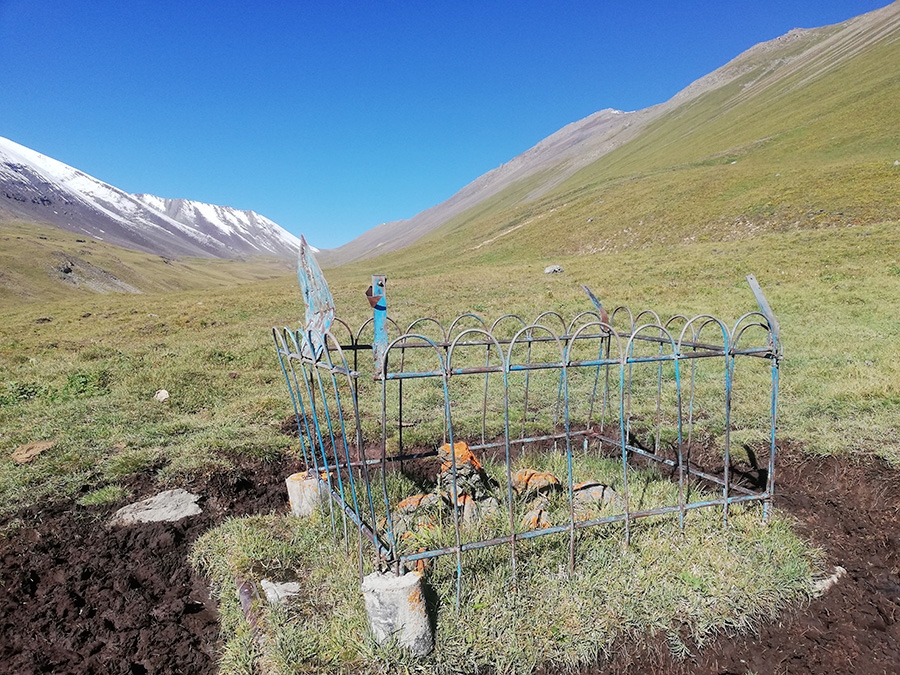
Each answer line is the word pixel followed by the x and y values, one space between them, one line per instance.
pixel 79 597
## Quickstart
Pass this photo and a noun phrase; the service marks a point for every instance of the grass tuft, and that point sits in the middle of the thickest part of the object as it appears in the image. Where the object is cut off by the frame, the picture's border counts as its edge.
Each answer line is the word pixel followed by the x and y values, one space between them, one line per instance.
pixel 109 494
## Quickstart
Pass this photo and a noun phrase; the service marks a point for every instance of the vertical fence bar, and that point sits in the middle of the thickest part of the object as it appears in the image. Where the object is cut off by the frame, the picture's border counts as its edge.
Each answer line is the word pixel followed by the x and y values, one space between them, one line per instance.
pixel 770 478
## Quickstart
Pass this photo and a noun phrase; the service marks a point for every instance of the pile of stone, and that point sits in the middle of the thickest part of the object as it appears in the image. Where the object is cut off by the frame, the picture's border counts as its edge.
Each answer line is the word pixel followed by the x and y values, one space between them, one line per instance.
pixel 477 495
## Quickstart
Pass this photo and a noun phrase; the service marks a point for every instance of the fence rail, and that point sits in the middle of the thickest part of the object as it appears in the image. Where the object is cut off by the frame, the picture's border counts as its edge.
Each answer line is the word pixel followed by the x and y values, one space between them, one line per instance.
pixel 382 401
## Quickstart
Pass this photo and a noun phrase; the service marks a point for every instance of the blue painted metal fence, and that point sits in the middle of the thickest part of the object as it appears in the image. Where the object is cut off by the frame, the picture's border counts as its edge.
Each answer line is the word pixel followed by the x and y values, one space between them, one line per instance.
pixel 630 384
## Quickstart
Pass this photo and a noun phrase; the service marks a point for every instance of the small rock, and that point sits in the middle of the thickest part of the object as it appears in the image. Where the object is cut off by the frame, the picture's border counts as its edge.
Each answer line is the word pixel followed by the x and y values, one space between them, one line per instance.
pixel 535 519
pixel 591 494
pixel 897 162
pixel 592 491
pixel 26 453
pixel 416 502
pixel 553 269
pixel 467 506
pixel 162 396
pixel 823 585
pixel 488 506
pixel 525 481
pixel 278 593
pixel 170 506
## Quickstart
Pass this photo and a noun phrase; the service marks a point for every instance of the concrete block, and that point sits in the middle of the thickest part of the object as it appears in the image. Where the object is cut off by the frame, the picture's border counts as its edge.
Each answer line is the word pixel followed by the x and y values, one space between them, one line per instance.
pixel 305 493
pixel 396 608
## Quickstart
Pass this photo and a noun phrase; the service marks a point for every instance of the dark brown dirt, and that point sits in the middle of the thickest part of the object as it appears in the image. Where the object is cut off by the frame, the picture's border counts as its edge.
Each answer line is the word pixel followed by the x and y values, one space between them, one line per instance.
pixel 852 512
pixel 77 597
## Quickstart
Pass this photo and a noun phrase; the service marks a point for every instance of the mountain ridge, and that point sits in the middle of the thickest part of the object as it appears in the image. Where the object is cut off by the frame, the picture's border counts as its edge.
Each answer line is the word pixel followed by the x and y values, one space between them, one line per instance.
pixel 38 188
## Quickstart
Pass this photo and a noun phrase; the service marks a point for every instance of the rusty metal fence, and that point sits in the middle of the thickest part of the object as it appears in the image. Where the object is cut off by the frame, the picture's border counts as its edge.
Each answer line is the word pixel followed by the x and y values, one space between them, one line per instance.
pixel 634 388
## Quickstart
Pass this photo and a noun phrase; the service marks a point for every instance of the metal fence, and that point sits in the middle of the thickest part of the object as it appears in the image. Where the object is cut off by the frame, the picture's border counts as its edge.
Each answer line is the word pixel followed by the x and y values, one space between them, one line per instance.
pixel 634 388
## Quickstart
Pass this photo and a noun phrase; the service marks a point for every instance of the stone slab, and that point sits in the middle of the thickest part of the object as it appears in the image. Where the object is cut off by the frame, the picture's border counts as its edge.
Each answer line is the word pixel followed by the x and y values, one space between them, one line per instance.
pixel 169 506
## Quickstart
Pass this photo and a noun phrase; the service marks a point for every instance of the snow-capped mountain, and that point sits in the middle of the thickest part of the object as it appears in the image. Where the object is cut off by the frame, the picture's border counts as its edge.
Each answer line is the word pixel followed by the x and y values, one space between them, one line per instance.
pixel 38 188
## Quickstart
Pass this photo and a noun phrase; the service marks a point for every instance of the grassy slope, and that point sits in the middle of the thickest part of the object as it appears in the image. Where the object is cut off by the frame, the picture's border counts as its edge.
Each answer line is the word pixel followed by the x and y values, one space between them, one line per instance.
pixel 802 149
pixel 791 178
pixel 31 256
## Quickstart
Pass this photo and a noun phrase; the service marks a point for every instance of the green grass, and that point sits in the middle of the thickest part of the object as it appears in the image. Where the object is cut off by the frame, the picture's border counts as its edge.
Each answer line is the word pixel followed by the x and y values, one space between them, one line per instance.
pixel 84 372
pixel 689 588
pixel 111 494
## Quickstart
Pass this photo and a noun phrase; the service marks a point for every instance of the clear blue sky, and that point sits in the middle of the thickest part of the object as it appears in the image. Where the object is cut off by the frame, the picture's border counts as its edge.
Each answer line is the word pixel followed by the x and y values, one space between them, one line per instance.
pixel 330 117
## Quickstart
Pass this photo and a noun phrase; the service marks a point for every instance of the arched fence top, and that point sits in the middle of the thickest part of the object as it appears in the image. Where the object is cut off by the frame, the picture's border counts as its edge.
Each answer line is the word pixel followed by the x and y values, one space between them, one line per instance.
pixel 741 326
pixel 618 310
pixel 458 342
pixel 664 337
pixel 403 341
pixel 526 335
pixel 505 318
pixel 641 316
pixel 371 322
pixel 414 327
pixel 597 319
pixel 697 331
pixel 346 326
pixel 458 321
pixel 555 315
pixel 607 331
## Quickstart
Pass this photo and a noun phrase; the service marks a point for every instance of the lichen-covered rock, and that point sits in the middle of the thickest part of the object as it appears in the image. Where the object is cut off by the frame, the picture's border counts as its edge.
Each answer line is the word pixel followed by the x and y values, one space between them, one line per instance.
pixel 470 477
pixel 466 461
pixel 414 503
pixel 536 519
pixel 529 481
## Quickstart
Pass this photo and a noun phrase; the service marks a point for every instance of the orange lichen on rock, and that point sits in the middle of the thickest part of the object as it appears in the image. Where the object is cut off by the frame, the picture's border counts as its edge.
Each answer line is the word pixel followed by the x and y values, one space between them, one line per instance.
pixel 536 519
pixel 422 566
pixel 411 503
pixel 464 456
pixel 529 480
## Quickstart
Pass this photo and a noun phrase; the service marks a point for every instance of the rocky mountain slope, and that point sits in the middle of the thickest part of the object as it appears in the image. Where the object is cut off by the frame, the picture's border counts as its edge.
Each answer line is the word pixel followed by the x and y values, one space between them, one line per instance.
pixel 37 188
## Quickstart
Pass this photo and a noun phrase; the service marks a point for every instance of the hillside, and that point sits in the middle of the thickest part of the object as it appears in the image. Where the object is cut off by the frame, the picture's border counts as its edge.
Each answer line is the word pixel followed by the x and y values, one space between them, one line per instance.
pixel 793 133
pixel 44 263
